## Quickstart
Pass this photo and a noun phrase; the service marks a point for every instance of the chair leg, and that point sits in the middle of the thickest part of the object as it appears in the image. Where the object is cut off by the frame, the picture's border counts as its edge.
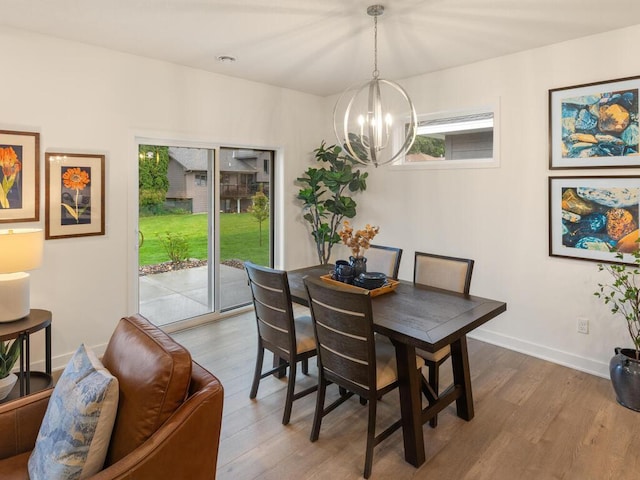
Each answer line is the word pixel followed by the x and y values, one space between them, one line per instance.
pixel 257 373
pixel 371 434
pixel 305 366
pixel 317 417
pixel 434 379
pixel 291 386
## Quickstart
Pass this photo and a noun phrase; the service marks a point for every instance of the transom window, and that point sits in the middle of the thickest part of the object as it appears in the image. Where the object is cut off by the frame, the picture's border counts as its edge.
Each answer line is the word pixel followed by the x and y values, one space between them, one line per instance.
pixel 455 139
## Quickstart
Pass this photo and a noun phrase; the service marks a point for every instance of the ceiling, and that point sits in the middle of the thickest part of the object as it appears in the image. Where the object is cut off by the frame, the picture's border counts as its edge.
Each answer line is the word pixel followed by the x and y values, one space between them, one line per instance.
pixel 321 46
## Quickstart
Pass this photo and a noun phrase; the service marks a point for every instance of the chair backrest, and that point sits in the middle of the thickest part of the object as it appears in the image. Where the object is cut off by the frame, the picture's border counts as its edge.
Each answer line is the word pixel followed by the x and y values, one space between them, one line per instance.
pixel 440 271
pixel 343 323
pixel 274 312
pixel 154 373
pixel 384 259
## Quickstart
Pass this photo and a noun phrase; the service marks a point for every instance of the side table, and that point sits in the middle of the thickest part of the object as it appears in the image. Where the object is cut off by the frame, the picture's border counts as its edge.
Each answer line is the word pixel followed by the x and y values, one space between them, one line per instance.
pixel 21 330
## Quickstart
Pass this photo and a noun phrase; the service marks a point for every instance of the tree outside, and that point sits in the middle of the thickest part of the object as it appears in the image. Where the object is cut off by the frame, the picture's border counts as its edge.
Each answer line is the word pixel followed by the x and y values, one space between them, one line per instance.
pixel 259 209
pixel 153 183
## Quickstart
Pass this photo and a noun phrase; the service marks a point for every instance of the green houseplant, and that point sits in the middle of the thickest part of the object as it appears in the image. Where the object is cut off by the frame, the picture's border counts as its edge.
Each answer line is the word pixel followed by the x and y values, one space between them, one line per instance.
pixel 9 353
pixel 325 194
pixel 623 296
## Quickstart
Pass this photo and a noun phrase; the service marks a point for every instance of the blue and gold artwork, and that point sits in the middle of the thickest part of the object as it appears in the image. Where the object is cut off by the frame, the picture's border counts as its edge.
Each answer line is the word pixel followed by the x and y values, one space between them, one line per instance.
pixel 600 125
pixel 602 219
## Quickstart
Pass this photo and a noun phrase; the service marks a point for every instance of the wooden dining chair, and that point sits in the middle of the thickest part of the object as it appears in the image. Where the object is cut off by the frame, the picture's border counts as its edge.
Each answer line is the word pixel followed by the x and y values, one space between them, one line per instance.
pixel 447 273
pixel 289 338
pixel 384 259
pixel 350 356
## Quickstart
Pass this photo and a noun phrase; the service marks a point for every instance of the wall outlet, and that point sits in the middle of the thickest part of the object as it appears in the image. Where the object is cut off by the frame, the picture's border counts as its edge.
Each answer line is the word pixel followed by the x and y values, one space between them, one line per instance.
pixel 583 325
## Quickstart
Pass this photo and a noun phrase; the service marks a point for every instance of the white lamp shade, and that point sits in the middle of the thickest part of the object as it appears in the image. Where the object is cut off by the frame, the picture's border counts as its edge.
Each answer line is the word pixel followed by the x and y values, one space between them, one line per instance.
pixel 20 249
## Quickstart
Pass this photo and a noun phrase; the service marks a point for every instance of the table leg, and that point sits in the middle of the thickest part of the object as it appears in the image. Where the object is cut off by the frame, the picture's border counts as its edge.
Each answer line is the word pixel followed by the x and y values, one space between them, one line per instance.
pixel 22 365
pixel 462 378
pixel 277 362
pixel 47 349
pixel 27 368
pixel 410 404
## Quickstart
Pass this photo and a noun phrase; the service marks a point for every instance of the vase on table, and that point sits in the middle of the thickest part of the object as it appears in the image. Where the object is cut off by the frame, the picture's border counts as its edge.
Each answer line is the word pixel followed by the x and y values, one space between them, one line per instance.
pixel 359 265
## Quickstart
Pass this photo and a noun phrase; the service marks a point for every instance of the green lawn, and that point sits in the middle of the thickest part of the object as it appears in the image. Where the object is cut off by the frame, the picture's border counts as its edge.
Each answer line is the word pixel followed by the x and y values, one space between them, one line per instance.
pixel 239 237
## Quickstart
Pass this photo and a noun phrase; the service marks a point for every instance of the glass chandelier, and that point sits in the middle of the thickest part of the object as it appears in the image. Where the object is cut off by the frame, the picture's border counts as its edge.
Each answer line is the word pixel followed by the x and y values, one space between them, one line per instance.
pixel 363 115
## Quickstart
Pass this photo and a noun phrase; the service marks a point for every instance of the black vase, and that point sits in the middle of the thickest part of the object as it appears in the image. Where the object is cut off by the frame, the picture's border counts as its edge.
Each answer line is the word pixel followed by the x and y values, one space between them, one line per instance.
pixel 359 265
pixel 624 370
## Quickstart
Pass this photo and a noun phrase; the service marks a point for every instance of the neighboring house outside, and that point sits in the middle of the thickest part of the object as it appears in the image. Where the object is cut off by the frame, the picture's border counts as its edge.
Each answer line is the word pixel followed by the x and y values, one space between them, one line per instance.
pixel 241 174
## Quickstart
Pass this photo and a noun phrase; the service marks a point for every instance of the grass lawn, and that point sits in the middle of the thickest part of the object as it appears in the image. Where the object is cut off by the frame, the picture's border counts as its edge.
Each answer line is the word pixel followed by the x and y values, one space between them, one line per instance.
pixel 239 237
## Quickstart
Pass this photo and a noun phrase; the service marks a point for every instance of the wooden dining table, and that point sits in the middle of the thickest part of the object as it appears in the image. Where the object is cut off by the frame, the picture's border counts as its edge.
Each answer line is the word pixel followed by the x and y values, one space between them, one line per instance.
pixel 414 316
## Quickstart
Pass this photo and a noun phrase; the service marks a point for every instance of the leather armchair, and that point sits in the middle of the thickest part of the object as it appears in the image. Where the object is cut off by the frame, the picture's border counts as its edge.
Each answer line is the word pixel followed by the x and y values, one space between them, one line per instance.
pixel 162 430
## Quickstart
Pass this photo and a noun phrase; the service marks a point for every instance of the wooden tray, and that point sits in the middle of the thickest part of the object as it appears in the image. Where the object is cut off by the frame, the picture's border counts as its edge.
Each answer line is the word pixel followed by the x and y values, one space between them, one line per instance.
pixel 386 288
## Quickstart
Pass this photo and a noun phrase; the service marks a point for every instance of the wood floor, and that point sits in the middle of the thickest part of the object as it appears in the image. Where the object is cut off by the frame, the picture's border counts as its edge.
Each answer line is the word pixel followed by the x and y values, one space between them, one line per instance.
pixel 533 420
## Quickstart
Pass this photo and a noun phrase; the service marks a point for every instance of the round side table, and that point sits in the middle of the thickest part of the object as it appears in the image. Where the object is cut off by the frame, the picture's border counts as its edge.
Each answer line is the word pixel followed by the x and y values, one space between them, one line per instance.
pixel 21 330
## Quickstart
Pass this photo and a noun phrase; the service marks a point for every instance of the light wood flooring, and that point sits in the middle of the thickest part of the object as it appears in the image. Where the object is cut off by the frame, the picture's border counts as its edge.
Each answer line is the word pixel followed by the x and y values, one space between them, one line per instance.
pixel 533 420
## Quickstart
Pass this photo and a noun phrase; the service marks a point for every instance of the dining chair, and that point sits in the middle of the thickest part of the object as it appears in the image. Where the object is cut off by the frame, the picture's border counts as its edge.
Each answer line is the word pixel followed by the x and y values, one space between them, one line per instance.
pixel 290 338
pixel 384 259
pixel 447 273
pixel 350 356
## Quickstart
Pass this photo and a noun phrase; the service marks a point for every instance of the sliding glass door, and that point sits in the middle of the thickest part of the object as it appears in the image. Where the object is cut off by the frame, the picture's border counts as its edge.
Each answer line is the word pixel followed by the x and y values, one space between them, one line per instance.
pixel 202 213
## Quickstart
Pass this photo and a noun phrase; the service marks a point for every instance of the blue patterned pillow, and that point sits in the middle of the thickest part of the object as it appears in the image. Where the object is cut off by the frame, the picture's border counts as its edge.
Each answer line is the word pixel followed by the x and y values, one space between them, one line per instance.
pixel 76 429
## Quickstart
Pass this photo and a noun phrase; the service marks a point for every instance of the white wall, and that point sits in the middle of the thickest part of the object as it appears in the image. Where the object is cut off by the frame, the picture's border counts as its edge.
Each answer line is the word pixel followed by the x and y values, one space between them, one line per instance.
pixel 499 216
pixel 86 99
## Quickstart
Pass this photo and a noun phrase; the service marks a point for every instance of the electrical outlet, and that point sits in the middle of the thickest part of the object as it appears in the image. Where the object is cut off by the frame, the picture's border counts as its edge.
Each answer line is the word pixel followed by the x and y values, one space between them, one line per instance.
pixel 583 325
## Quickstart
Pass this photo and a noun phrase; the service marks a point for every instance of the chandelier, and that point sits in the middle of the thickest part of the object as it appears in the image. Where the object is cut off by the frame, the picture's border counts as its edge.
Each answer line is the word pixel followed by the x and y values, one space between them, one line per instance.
pixel 363 117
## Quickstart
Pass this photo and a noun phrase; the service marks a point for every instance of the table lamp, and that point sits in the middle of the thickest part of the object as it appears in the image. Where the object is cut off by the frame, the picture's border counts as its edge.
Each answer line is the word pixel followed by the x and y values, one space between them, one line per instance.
pixel 20 249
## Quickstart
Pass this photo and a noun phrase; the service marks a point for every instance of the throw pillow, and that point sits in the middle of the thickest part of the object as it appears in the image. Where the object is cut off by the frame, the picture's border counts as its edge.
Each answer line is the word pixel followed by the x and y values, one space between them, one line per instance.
pixel 74 436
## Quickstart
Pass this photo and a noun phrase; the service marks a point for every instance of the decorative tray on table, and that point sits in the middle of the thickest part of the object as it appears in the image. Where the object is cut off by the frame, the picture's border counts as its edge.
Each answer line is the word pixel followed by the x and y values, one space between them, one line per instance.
pixel 386 288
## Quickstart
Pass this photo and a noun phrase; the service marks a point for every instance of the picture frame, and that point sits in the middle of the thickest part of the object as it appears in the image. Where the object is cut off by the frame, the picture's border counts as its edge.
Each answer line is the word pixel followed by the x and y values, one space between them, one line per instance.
pixel 75 195
pixel 594 218
pixel 19 176
pixel 595 125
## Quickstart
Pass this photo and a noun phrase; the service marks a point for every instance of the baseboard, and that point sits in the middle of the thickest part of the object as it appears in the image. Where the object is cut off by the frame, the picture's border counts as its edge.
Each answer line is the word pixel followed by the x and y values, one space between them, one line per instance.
pixel 58 363
pixel 576 362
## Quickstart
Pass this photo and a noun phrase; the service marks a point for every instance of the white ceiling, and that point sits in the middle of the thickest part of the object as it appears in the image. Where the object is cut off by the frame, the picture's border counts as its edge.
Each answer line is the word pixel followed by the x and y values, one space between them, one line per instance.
pixel 320 46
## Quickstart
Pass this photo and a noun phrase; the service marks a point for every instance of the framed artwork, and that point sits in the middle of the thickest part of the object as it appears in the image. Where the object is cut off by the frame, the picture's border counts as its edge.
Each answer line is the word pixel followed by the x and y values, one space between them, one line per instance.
pixel 74 191
pixel 595 125
pixel 594 218
pixel 19 176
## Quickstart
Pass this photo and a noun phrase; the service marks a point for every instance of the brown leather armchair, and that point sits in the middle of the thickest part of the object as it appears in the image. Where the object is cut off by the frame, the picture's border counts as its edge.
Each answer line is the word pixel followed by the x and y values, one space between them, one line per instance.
pixel 169 412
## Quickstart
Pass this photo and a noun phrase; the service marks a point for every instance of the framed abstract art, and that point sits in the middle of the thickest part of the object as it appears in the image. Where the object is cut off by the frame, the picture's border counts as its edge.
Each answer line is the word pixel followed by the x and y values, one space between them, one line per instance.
pixel 595 125
pixel 594 218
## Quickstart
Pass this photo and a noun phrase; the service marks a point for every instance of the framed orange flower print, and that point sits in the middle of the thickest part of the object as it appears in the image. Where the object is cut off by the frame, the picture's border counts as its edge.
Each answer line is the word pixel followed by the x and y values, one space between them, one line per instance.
pixel 74 191
pixel 19 176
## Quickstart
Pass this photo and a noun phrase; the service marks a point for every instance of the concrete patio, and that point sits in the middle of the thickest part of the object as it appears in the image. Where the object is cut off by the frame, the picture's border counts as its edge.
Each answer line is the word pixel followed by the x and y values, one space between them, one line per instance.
pixel 177 295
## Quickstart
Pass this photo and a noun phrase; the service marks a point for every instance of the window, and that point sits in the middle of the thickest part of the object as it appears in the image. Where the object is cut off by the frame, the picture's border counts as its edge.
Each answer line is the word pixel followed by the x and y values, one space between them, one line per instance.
pixel 201 179
pixel 460 139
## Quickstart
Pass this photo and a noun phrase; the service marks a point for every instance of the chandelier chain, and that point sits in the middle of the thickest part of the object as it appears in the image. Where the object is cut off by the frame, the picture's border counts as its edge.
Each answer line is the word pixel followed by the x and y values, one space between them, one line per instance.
pixel 376 73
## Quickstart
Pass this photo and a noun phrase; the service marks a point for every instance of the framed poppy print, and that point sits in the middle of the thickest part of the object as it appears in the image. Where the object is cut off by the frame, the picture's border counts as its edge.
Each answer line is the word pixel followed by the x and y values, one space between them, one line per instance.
pixel 74 194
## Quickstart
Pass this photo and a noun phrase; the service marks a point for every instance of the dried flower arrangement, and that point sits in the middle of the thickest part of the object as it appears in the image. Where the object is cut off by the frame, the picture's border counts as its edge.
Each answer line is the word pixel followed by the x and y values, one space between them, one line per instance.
pixel 359 240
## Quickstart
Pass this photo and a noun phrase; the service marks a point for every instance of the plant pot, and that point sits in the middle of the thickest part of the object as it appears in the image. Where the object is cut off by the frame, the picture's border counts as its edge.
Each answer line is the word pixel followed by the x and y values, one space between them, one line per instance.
pixel 6 384
pixel 624 370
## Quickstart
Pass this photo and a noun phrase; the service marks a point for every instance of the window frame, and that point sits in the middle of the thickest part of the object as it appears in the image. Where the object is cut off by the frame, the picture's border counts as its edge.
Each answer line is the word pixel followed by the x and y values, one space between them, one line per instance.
pixel 492 162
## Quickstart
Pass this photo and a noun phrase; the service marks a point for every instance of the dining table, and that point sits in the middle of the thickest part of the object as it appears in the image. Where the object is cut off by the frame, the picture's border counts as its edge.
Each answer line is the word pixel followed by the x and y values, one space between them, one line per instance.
pixel 416 316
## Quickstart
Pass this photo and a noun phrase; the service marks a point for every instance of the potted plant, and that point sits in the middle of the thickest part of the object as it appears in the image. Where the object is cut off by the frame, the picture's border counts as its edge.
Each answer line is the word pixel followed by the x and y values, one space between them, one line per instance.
pixel 623 296
pixel 358 242
pixel 9 353
pixel 325 196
